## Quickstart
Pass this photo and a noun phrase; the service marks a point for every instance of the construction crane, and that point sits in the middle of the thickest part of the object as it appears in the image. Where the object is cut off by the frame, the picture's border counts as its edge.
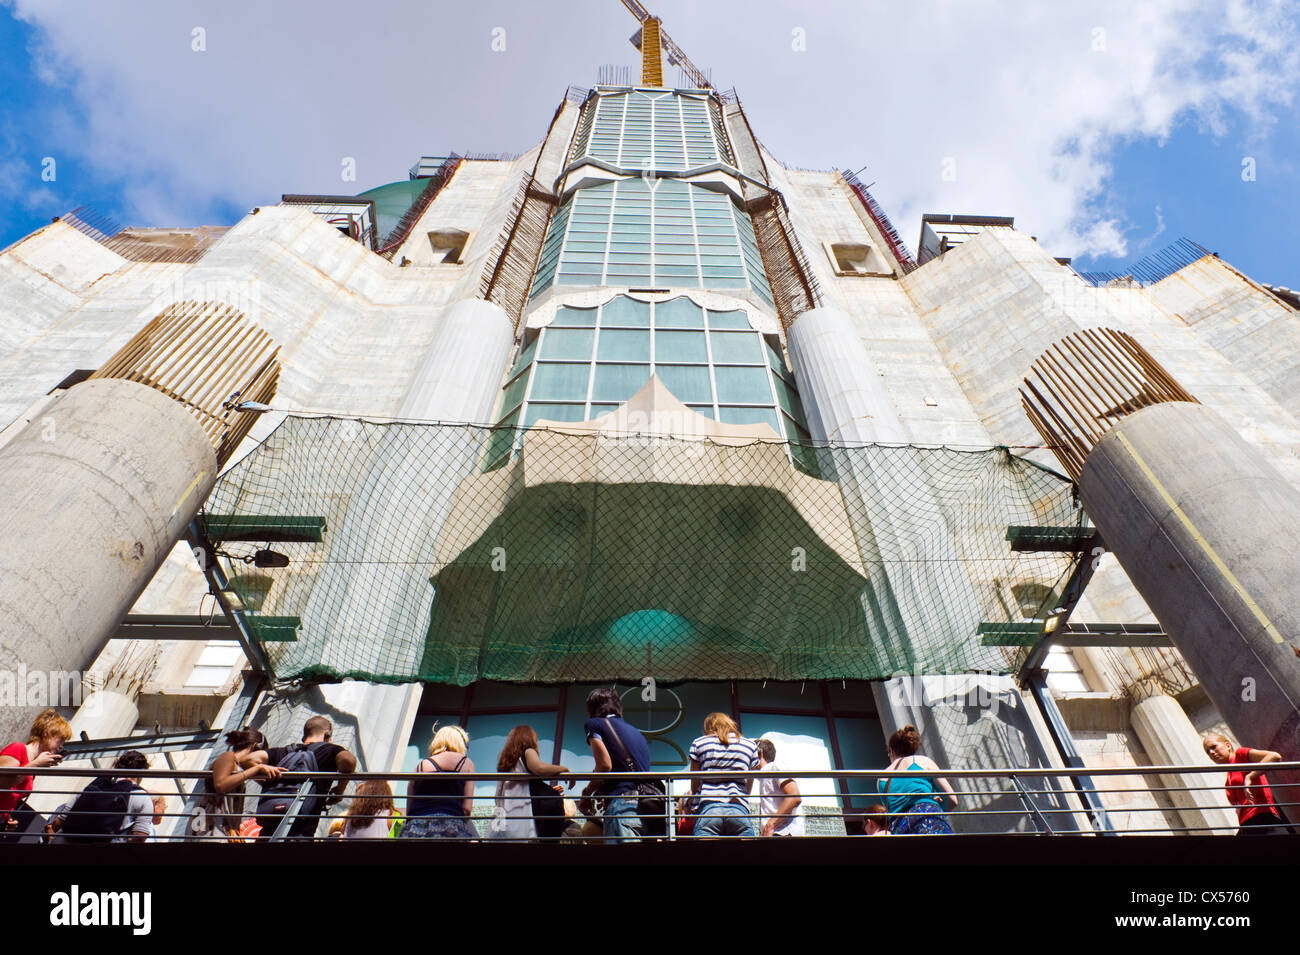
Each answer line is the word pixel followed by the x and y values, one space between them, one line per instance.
pixel 653 42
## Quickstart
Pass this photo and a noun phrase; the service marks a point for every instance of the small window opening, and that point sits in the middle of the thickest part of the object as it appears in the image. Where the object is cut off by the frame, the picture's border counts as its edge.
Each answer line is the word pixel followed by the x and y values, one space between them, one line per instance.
pixel 854 258
pixel 448 245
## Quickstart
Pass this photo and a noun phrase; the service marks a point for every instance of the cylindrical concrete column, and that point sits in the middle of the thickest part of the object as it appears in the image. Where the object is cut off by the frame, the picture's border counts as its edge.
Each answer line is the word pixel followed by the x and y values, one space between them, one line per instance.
pixel 847 405
pixel 106 714
pixel 93 495
pixel 839 382
pixel 460 375
pixel 1205 528
pixel 458 380
pixel 1170 739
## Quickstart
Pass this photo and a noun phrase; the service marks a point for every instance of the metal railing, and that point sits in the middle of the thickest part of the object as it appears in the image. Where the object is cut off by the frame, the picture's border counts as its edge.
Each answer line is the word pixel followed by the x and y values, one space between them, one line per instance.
pixel 1012 801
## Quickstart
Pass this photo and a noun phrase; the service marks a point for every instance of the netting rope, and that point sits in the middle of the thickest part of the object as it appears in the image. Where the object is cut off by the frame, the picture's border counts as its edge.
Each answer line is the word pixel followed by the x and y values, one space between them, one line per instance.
pixel 592 557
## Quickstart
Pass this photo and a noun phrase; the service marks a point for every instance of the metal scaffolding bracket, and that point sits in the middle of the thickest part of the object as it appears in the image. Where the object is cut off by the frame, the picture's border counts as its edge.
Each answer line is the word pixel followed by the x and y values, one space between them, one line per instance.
pixel 1085 565
pixel 93 749
pixel 219 586
pixel 171 626
pixel 1056 725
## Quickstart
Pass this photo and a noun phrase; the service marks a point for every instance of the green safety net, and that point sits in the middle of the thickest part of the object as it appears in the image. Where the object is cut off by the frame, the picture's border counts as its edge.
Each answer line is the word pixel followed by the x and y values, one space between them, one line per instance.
pixel 594 557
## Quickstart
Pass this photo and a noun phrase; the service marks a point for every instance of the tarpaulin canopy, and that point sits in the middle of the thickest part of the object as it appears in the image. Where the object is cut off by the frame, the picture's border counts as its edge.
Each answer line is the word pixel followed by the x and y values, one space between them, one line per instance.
pixel 594 554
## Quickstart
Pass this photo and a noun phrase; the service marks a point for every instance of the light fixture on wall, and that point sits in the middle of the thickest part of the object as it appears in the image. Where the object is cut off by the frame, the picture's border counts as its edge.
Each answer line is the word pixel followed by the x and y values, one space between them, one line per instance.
pixel 270 559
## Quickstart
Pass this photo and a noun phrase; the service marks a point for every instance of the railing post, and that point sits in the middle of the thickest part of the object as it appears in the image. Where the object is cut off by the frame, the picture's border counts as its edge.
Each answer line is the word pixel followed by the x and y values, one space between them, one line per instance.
pixel 291 814
pixel 1040 823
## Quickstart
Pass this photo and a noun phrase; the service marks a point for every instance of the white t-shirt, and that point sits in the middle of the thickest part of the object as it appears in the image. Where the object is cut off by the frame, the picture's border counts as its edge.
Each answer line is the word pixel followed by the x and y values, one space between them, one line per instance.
pixel 770 797
pixel 376 828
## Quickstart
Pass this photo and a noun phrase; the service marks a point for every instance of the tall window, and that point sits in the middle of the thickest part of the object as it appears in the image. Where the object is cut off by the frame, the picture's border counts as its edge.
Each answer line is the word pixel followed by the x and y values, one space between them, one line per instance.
pixel 647 129
pixel 588 361
pixel 664 232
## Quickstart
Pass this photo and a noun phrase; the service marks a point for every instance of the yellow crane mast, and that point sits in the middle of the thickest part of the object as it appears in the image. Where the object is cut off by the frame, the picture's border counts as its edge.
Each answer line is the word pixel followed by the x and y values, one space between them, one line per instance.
pixel 653 42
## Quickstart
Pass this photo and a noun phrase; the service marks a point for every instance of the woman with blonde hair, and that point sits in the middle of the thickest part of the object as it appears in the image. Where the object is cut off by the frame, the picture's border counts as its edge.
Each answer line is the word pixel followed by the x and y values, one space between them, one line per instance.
pixel 44 747
pixel 915 801
pixel 223 803
pixel 722 805
pixel 1249 793
pixel 440 808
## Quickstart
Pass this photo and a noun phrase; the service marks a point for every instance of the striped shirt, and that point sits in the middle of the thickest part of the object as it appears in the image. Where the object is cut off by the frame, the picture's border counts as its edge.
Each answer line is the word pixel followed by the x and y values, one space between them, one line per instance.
pixel 711 754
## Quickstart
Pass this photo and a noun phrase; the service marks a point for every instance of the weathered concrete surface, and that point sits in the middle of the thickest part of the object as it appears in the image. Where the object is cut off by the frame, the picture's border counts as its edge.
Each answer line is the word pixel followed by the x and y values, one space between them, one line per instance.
pixel 94 494
pixel 1257 332
pixel 848 404
pixel 458 377
pixel 456 381
pixel 1205 528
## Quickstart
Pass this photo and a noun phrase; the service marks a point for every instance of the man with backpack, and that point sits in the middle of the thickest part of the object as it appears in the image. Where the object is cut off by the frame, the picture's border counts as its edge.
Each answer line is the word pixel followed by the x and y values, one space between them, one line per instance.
pixel 315 754
pixel 110 809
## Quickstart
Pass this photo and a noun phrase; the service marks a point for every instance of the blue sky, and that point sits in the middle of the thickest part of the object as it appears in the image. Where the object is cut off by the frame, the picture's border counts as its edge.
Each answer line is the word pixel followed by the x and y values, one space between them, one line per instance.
pixel 1107 132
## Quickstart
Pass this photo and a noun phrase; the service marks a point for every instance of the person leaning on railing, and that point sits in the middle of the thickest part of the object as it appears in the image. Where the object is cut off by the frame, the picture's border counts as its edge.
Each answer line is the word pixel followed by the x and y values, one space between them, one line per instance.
pixel 1249 792
pixel 109 809
pixel 44 747
pixel 723 804
pixel 245 759
pixel 515 813
pixel 915 801
pixel 779 799
pixel 315 753
pixel 439 808
pixel 617 747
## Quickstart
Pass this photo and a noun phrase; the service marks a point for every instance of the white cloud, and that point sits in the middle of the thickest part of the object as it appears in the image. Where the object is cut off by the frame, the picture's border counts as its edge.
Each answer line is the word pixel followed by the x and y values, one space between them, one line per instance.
pixel 1030 100
pixel 1159 230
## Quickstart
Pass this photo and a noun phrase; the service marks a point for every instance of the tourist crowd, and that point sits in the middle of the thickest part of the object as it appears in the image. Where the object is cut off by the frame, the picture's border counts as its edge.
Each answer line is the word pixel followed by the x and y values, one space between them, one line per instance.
pixel 439 804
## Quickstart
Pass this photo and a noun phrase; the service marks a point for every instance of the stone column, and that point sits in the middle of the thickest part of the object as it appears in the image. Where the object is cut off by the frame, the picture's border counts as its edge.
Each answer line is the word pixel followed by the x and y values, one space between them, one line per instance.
pixel 1170 739
pixel 458 380
pixel 1205 528
pixel 94 494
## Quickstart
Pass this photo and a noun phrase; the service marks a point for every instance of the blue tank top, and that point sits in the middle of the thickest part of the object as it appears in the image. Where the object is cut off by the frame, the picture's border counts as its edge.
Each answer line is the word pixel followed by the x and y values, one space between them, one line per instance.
pixel 437 797
pixel 902 792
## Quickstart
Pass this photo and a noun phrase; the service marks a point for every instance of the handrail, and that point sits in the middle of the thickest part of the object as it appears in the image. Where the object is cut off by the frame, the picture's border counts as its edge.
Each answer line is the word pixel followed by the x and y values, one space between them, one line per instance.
pixel 1145 770
pixel 973 804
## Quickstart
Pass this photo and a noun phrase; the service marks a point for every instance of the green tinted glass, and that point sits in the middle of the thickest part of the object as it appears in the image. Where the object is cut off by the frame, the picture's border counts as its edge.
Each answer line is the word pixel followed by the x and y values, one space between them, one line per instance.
pixel 571 343
pixel 560 382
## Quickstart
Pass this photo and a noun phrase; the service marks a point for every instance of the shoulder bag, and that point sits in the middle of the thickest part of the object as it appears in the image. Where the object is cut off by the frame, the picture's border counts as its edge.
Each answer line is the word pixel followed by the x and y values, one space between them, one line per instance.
pixel 652 800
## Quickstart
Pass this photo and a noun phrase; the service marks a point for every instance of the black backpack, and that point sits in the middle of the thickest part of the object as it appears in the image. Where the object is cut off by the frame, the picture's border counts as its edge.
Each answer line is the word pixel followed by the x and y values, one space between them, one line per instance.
pixel 99 813
pixel 299 758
